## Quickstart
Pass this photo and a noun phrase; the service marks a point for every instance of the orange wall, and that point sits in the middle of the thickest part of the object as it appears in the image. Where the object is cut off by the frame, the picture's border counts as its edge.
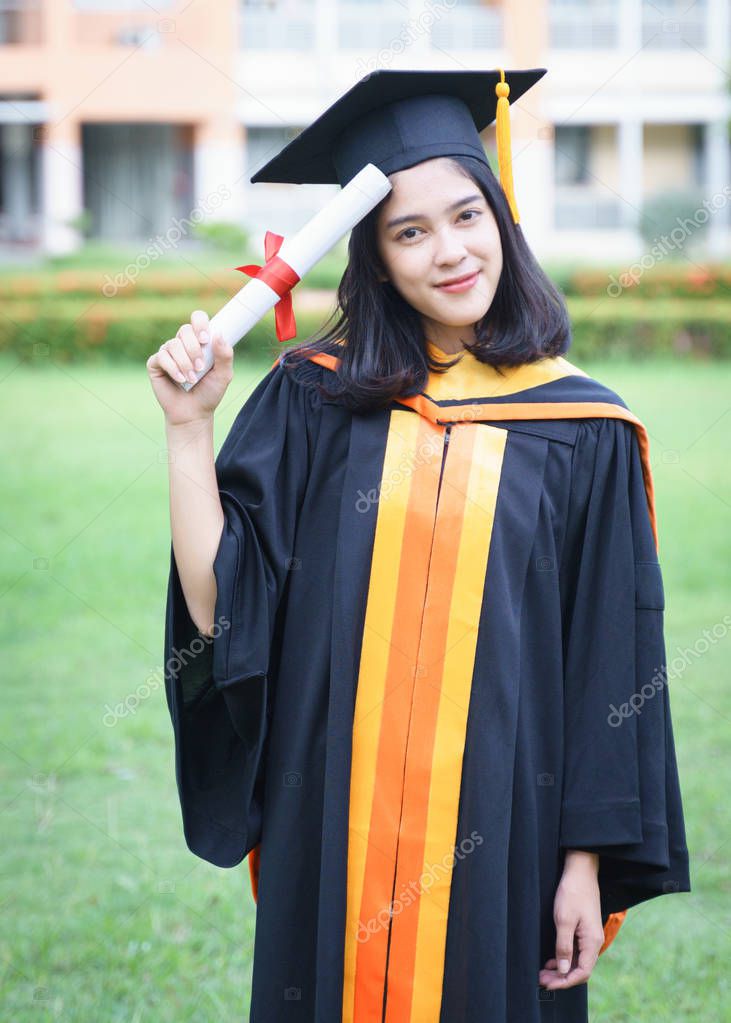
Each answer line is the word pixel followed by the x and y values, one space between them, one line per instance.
pixel 85 78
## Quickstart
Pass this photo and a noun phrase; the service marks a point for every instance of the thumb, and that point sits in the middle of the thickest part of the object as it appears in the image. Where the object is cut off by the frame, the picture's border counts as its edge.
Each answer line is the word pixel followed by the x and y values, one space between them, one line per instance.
pixel 222 352
pixel 564 946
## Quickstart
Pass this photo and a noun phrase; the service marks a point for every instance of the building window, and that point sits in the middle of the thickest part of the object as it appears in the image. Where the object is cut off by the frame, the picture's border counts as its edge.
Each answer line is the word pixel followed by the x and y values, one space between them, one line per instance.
pixel 370 24
pixel 137 177
pixel 264 142
pixel 673 24
pixel 20 22
pixel 698 144
pixel 19 183
pixel 583 24
pixel 571 154
pixel 277 24
pixel 468 25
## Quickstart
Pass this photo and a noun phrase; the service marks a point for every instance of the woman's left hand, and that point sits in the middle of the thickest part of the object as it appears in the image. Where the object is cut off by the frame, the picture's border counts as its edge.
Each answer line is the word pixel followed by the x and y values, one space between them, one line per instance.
pixel 578 919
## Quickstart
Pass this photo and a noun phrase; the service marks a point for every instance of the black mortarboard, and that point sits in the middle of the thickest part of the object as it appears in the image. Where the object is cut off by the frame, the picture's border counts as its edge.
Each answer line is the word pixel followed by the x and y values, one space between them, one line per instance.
pixel 395 119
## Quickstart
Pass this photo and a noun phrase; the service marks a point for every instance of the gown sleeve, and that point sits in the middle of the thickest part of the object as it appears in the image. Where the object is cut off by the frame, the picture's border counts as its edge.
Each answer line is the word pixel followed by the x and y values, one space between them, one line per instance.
pixel 621 796
pixel 218 688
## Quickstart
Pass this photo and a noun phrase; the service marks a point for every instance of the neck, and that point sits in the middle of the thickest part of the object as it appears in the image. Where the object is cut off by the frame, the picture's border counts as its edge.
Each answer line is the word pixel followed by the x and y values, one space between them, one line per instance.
pixel 450 347
pixel 451 340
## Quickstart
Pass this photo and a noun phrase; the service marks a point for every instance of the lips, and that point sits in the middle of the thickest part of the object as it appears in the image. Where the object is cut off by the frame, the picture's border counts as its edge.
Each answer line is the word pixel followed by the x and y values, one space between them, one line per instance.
pixel 458 280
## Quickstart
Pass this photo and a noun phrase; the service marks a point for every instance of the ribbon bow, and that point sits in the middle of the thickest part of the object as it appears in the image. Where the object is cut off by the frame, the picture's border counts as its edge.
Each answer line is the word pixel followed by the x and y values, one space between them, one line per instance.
pixel 281 278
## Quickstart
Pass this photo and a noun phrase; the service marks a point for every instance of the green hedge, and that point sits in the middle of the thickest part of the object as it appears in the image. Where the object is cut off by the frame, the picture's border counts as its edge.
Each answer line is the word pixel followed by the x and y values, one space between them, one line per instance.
pixel 70 328
pixel 686 280
pixel 117 280
pixel 626 327
pixel 214 281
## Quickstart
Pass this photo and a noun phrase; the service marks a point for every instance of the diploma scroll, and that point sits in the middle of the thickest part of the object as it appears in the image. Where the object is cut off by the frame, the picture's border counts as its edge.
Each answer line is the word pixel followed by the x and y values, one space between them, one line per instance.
pixel 301 252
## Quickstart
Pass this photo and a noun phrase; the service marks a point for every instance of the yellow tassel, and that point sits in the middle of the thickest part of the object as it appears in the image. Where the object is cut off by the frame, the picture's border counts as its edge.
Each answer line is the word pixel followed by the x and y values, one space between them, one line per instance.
pixel 504 155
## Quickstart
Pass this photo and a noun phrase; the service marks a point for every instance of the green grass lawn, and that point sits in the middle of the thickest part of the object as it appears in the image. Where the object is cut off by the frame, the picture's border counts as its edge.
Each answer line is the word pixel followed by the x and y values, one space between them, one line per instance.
pixel 107 916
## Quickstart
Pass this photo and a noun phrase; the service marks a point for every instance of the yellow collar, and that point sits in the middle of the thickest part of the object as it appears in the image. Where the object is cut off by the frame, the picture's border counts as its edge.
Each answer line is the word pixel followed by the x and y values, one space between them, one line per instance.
pixel 470 378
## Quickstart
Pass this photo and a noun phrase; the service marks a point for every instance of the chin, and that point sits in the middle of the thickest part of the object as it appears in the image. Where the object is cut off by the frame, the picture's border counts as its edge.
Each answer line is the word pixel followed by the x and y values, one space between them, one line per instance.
pixel 464 319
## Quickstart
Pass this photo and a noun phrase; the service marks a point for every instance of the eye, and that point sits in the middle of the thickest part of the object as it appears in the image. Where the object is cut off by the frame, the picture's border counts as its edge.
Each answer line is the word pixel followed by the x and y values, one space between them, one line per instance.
pixel 403 234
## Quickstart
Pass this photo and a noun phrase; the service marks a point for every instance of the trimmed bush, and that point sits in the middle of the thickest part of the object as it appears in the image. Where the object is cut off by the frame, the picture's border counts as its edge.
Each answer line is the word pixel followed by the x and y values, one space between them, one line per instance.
pixel 79 329
pixel 83 313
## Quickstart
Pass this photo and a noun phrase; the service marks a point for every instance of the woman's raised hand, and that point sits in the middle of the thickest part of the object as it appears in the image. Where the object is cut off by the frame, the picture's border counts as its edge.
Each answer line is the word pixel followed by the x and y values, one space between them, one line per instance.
pixel 177 360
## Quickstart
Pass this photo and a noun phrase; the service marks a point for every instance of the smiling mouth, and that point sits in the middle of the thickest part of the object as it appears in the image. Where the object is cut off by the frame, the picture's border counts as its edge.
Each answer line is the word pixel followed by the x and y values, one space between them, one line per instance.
pixel 459 280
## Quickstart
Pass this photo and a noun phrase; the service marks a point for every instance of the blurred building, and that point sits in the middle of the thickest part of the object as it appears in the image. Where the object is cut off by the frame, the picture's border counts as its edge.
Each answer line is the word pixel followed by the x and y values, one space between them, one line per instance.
pixel 120 118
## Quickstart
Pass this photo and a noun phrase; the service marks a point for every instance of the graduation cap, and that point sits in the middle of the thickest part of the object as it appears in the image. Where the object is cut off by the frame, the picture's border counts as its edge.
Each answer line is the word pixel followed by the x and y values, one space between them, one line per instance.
pixel 395 119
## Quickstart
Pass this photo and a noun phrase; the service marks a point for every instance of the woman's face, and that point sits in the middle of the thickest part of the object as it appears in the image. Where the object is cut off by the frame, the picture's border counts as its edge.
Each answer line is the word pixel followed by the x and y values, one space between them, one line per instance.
pixel 444 229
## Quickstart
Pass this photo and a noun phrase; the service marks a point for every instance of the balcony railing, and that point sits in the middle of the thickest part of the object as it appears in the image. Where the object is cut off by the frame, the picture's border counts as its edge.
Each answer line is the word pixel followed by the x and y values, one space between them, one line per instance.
pixel 369 25
pixel 578 208
pixel 659 24
pixel 673 25
pixel 578 25
pixel 272 26
pixel 468 27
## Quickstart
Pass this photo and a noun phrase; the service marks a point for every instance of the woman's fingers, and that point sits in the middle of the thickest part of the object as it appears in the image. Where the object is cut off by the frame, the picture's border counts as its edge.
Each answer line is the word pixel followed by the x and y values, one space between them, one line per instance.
pixel 196 336
pixel 552 980
pixel 182 356
pixel 166 362
pixel 187 336
pixel 581 968
pixel 176 350
pixel 201 325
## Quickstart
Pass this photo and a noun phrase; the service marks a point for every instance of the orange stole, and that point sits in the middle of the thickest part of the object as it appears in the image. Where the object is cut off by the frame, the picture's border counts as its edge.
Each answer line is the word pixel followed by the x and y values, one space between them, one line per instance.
pixel 415 676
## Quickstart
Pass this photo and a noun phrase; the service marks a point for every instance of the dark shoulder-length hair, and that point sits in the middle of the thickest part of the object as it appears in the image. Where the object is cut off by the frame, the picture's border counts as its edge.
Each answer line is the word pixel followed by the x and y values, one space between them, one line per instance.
pixel 379 336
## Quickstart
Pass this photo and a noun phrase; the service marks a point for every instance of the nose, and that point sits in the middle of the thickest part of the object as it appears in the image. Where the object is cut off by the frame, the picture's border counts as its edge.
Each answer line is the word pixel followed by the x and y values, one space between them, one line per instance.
pixel 450 247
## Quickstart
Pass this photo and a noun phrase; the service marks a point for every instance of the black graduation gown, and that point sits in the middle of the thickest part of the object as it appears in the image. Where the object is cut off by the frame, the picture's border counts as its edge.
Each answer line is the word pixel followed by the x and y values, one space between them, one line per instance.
pixel 438 663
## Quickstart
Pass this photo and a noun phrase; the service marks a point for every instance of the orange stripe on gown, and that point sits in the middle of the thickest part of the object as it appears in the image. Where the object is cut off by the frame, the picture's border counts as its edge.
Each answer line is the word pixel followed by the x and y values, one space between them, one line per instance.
pixel 417 660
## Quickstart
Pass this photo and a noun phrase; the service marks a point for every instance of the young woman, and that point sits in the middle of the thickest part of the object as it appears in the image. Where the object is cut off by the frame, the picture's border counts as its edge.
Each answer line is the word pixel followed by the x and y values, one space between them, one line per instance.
pixel 409 607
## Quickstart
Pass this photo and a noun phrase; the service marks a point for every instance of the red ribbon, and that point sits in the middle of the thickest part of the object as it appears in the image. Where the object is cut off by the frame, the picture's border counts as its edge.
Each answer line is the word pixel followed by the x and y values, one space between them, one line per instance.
pixel 280 277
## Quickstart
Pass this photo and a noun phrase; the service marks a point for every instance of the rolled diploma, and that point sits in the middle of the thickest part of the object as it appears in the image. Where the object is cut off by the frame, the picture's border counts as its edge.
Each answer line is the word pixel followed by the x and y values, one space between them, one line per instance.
pixel 235 319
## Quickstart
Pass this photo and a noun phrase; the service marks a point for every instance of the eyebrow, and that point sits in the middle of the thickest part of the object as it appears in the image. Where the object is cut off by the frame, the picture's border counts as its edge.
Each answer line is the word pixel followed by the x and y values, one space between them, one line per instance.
pixel 423 216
